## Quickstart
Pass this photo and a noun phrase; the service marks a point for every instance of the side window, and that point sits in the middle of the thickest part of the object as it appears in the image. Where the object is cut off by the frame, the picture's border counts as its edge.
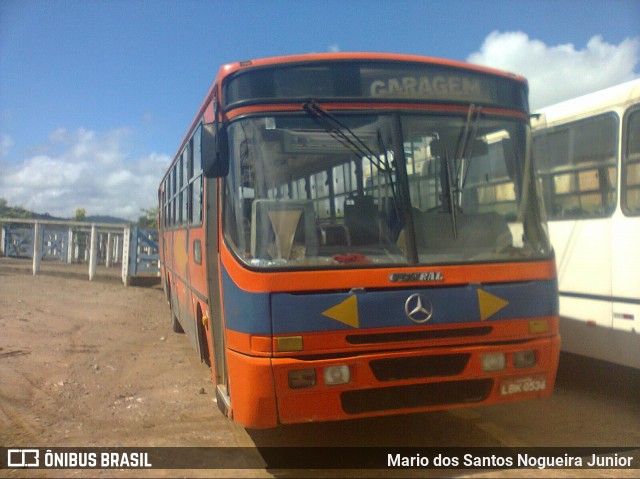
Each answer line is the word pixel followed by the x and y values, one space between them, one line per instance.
pixel 180 183
pixel 185 185
pixel 577 167
pixel 631 164
pixel 164 204
pixel 174 200
pixel 195 181
pixel 170 193
pixel 183 189
pixel 167 201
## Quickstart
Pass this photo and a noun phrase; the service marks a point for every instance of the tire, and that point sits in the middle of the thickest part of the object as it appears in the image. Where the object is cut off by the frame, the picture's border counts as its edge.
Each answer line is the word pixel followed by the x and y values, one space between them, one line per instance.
pixel 175 324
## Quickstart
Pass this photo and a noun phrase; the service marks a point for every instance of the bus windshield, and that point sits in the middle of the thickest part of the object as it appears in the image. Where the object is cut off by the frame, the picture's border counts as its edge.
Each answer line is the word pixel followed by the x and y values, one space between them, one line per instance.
pixel 318 189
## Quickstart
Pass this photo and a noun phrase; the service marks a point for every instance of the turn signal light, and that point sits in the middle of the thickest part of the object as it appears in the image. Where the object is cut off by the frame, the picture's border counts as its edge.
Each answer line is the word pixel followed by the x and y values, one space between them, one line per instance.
pixel 538 326
pixel 289 343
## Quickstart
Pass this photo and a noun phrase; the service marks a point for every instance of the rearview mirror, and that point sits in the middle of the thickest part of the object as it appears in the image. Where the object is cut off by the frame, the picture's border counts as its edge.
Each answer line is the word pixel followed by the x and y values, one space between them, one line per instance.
pixel 213 145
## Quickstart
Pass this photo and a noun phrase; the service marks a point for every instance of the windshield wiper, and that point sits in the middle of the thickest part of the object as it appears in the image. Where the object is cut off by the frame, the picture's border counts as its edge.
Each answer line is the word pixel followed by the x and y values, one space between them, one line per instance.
pixel 452 193
pixel 400 191
pixel 339 130
pixel 464 150
pixel 345 135
pixel 455 174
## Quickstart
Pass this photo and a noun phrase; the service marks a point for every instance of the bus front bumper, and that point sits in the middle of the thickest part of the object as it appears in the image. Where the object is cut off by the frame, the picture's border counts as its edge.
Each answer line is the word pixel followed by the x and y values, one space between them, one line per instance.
pixel 414 380
pixel 272 391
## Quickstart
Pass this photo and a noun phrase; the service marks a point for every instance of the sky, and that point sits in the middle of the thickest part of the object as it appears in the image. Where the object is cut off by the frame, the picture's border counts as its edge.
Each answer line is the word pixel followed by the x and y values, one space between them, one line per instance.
pixel 95 97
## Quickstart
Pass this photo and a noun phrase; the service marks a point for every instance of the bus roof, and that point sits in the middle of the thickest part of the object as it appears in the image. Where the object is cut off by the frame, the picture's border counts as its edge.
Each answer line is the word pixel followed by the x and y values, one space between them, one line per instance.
pixel 231 68
pixel 607 99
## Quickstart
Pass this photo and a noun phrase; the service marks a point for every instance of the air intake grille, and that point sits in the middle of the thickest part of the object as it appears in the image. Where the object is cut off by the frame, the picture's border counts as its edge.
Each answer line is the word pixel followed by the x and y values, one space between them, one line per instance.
pixel 419 367
pixel 416 395
pixel 418 335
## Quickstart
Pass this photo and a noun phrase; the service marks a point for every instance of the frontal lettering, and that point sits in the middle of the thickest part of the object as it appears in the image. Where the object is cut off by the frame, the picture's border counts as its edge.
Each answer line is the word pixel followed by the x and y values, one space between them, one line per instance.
pixel 438 86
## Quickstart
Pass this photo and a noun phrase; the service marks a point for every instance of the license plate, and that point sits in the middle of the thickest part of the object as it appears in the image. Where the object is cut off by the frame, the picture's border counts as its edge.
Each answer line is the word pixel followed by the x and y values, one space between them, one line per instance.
pixel 522 385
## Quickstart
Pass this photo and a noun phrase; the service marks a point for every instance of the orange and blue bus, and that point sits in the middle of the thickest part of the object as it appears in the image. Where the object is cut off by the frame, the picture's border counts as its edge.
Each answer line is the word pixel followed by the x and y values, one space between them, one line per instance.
pixel 351 235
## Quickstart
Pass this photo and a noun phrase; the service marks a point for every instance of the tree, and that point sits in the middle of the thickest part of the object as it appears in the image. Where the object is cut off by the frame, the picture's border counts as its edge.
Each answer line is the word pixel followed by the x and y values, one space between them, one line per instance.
pixel 81 214
pixel 149 220
pixel 13 211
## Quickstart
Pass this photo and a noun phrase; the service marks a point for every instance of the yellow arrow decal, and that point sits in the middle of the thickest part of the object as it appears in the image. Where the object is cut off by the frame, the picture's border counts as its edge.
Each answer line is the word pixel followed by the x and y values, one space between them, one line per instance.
pixel 346 312
pixel 489 304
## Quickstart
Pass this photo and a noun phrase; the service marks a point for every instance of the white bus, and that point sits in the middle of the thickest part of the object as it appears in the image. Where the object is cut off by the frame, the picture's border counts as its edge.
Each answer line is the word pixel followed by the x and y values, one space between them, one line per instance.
pixel 587 154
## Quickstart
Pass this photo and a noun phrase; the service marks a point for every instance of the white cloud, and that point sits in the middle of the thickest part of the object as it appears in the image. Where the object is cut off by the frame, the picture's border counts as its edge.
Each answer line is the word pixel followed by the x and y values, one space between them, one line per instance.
pixel 85 169
pixel 560 72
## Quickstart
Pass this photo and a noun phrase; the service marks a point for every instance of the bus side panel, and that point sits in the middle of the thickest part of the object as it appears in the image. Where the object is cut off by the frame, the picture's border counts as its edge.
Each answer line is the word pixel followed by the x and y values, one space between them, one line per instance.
pixel 583 275
pixel 196 269
pixel 626 280
pixel 599 285
pixel 607 344
pixel 171 278
pixel 163 238
pixel 625 337
pixel 197 263
pixel 181 293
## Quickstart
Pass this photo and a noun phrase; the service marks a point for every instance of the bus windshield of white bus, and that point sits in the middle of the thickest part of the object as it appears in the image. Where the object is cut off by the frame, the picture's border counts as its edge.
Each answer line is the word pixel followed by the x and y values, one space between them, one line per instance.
pixel 318 189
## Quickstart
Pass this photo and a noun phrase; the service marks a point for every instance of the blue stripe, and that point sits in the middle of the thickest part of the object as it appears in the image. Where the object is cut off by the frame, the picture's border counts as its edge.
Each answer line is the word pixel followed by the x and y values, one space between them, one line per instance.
pixel 244 311
pixel 287 313
pixel 296 313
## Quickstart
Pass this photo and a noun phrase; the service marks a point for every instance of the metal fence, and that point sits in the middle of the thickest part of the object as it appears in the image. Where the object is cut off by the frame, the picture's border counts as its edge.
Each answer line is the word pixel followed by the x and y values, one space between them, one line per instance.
pixel 135 249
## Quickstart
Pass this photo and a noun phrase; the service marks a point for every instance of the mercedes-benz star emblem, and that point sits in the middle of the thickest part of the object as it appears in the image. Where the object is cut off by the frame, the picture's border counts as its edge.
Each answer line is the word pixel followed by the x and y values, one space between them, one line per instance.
pixel 418 308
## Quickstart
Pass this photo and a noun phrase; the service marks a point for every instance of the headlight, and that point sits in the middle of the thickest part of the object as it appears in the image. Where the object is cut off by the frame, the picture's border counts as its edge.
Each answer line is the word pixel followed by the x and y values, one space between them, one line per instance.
pixel 337 375
pixel 493 362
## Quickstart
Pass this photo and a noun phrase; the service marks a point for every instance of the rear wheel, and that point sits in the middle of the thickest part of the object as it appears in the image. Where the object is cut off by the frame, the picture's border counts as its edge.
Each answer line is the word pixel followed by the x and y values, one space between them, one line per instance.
pixel 175 324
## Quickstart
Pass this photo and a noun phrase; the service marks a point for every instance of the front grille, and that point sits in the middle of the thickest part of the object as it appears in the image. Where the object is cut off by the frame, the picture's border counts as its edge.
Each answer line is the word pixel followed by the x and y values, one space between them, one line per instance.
pixel 419 367
pixel 416 395
pixel 418 335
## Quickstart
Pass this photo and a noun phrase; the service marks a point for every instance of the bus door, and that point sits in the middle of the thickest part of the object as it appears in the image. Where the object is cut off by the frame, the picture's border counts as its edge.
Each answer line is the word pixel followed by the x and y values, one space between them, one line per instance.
pixel 216 321
pixel 626 230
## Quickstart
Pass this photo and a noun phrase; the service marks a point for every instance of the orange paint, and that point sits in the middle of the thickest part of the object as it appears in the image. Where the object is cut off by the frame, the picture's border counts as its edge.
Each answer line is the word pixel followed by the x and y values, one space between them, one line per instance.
pixel 345 279
pixel 252 390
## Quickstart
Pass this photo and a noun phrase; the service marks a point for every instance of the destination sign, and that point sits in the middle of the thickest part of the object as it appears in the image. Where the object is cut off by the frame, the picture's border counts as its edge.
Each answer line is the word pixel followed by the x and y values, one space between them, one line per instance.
pixel 432 87
pixel 370 80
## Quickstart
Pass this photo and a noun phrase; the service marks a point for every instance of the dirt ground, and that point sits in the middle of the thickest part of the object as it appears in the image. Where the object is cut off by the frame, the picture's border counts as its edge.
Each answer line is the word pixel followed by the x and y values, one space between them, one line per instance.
pixel 94 363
